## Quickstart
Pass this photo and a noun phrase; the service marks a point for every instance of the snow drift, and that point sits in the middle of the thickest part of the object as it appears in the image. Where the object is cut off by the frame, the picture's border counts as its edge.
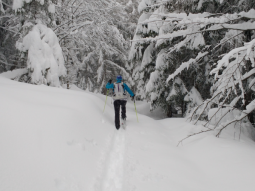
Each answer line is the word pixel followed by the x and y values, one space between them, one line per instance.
pixel 56 139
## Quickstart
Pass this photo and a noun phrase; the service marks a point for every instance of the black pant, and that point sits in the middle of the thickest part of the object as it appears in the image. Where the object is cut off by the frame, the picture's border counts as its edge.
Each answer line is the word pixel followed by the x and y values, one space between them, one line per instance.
pixel 117 104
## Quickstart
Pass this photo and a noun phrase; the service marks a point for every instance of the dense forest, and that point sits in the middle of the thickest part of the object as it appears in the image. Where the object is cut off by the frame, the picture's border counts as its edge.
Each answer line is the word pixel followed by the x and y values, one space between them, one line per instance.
pixel 92 39
pixel 193 58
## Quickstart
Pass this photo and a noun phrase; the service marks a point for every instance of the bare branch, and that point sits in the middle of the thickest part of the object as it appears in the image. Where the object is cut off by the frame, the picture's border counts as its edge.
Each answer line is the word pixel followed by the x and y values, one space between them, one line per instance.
pixel 193 135
pixel 233 121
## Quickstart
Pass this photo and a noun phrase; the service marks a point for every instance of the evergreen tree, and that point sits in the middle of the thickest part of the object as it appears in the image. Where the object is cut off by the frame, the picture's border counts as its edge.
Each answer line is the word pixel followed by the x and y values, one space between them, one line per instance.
pixel 38 45
pixel 185 42
pixel 8 36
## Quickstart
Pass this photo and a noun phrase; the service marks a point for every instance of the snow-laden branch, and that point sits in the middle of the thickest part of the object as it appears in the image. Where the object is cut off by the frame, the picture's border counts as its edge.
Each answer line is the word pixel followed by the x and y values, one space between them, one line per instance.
pixel 122 69
pixel 6 4
pixel 231 77
pixel 1 7
pixel 186 65
pixel 235 53
pixel 174 33
pixel 242 26
pixel 200 55
pixel 201 20
pixel 10 30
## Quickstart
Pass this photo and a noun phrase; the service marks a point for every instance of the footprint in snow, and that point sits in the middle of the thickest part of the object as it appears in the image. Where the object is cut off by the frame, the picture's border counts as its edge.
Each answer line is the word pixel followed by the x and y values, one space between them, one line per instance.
pixel 60 184
pixel 91 141
pixel 76 144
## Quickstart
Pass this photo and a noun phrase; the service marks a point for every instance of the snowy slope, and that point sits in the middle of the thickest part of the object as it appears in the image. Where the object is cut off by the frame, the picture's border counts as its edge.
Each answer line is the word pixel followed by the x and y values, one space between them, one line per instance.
pixel 56 139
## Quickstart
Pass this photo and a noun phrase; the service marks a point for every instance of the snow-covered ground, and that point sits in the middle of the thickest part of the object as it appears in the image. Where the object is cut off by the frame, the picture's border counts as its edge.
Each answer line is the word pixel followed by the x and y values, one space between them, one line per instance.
pixel 56 139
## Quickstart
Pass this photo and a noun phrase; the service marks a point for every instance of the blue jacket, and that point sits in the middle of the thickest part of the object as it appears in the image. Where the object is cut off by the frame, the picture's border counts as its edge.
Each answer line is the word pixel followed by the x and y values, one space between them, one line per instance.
pixel 111 86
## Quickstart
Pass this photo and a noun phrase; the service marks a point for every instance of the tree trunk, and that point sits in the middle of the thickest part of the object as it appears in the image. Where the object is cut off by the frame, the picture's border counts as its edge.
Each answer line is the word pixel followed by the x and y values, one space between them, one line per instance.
pixel 67 82
pixel 248 99
pixel 169 112
pixel 183 108
pixel 248 35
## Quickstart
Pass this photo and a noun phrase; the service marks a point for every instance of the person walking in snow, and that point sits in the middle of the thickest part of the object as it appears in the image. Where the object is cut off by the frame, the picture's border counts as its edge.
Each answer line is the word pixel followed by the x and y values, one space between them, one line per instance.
pixel 120 99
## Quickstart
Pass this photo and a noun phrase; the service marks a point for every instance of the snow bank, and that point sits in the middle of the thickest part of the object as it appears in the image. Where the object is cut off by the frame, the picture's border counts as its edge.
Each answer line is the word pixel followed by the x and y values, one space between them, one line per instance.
pixel 230 115
pixel 225 115
pixel 14 73
pixel 72 87
pixel 58 139
pixel 143 108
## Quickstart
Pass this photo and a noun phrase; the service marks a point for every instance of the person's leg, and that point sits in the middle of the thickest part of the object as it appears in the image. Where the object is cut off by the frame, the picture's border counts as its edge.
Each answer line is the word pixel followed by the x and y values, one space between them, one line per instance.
pixel 117 113
pixel 123 109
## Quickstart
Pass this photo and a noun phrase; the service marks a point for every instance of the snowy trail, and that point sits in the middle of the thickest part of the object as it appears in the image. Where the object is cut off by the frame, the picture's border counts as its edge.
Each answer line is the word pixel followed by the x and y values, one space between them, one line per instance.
pixel 111 175
pixel 114 171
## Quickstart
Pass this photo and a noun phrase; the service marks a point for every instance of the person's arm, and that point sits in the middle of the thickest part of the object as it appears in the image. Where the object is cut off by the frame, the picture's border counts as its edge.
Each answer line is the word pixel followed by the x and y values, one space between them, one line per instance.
pixel 109 85
pixel 128 90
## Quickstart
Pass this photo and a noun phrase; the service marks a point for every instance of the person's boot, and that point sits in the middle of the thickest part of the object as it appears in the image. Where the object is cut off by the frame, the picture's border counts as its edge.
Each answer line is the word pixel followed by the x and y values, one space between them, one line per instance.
pixel 123 123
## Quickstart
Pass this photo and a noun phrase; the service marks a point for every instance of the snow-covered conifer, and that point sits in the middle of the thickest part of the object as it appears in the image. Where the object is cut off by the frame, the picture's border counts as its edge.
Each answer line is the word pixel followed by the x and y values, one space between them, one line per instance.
pixel 187 42
pixel 45 61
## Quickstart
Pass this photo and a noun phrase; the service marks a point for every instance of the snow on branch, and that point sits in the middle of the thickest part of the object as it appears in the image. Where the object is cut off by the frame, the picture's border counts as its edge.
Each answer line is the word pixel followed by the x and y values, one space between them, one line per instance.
pixel 185 65
pixel 18 4
pixel 144 4
pixel 235 53
pixel 249 108
pixel 227 83
pixel 242 26
pixel 199 20
pixel 123 70
pixel 1 7
pixel 250 14
pixel 176 32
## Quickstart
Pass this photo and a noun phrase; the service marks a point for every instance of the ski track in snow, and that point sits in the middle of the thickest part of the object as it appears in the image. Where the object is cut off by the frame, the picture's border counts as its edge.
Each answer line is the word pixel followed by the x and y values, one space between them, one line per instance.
pixel 112 164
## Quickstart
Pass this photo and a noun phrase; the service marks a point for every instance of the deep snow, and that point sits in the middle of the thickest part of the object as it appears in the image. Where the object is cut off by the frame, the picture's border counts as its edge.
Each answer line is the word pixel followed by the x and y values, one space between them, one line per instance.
pixel 56 139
